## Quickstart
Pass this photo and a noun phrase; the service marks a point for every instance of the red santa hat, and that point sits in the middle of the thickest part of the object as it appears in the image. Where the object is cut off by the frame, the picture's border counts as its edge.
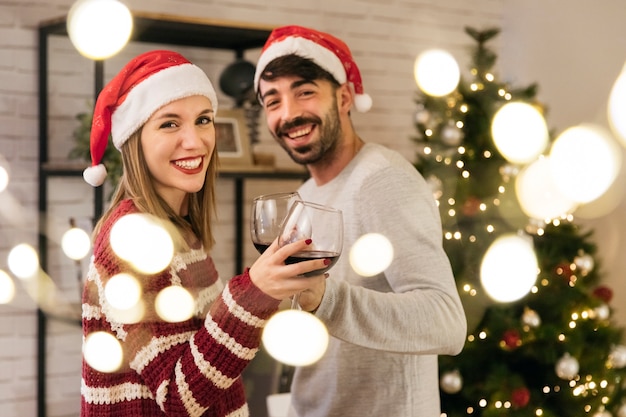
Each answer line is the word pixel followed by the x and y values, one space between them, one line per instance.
pixel 330 53
pixel 147 83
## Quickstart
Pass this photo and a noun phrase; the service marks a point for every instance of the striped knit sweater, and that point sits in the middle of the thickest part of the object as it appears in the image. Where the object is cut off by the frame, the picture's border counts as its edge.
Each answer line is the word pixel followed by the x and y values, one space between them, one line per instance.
pixel 189 368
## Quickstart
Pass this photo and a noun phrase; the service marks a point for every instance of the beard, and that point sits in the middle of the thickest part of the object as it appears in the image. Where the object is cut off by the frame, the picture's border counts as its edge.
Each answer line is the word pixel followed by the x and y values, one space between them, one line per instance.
pixel 316 151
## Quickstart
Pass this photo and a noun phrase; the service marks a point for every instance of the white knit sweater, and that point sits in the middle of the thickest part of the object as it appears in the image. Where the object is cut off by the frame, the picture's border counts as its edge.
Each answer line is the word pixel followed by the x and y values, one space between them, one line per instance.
pixel 387 330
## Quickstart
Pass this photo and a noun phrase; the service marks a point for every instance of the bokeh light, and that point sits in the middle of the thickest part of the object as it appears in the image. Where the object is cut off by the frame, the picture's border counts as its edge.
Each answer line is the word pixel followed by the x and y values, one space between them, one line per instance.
pixel 436 72
pixel 584 161
pixel 103 352
pixel 7 288
pixel 143 242
pixel 509 268
pixel 23 261
pixel 519 132
pixel 174 304
pixel 122 291
pixel 617 106
pixel 99 29
pixel 75 243
pixel 538 195
pixel 371 254
pixel 295 337
pixel 4 178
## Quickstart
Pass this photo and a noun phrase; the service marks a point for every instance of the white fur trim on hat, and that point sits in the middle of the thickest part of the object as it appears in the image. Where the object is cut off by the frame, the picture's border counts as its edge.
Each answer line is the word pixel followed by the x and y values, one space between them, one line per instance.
pixel 305 48
pixel 161 88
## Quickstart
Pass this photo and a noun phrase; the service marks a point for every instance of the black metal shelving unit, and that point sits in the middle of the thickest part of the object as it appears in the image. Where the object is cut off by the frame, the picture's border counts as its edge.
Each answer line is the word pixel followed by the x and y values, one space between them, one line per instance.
pixel 149 28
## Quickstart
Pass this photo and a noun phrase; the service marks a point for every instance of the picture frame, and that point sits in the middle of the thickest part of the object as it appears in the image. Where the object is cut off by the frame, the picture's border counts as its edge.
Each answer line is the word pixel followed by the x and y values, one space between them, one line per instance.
pixel 232 138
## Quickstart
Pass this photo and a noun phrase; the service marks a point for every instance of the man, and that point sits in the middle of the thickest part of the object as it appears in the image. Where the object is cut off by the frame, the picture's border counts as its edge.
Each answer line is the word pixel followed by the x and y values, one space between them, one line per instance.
pixel 387 329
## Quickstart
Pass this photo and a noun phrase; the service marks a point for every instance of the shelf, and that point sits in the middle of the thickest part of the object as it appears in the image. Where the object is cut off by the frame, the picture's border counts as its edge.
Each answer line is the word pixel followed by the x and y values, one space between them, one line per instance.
pixel 186 31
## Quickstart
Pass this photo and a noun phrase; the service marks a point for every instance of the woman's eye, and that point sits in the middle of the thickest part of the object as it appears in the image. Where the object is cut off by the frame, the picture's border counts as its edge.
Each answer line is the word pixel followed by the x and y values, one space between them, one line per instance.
pixel 204 120
pixel 167 125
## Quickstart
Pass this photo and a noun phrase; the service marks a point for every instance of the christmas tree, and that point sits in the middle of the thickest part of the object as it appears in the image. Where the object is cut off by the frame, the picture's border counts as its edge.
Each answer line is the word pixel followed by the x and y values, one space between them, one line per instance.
pixel 554 351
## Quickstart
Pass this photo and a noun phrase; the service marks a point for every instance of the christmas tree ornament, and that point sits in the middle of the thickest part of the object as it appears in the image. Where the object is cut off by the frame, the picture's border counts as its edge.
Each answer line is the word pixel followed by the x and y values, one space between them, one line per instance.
pixel 451 382
pixel 617 357
pixel 422 116
pixel 520 397
pixel 584 263
pixel 511 339
pixel 451 135
pixel 567 367
pixel 603 293
pixel 531 318
pixel 602 312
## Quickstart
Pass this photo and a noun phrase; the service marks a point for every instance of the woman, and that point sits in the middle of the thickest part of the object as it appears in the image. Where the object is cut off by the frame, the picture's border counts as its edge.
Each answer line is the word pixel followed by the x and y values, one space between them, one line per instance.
pixel 160 112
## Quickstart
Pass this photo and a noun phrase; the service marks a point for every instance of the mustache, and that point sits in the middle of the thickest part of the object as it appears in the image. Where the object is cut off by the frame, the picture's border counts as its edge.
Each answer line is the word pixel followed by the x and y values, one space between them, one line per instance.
pixel 298 121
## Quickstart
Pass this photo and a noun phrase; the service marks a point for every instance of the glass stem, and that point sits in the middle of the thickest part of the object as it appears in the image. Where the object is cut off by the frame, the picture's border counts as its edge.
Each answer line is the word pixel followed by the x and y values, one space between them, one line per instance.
pixel 295 303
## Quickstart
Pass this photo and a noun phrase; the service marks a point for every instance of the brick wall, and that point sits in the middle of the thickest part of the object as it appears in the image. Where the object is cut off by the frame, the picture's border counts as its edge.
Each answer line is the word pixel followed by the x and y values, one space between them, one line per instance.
pixel 384 35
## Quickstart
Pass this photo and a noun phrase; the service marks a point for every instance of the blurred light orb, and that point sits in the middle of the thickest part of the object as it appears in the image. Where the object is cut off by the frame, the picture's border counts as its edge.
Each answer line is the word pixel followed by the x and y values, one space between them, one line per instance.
pixel 99 29
pixel 75 243
pixel 617 107
pixel 436 72
pixel 103 352
pixel 520 132
pixel 537 193
pixel 7 288
pixel 23 261
pixel 143 242
pixel 295 337
pixel 584 161
pixel 122 291
pixel 509 268
pixel 4 178
pixel 371 254
pixel 174 304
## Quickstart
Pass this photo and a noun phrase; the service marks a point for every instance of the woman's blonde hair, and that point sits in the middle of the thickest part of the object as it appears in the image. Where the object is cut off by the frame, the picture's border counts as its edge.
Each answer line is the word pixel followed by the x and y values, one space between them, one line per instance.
pixel 137 184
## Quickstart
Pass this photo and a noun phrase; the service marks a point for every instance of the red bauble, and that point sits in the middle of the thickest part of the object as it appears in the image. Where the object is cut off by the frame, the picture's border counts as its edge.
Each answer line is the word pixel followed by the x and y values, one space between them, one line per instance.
pixel 603 293
pixel 520 397
pixel 511 338
pixel 471 206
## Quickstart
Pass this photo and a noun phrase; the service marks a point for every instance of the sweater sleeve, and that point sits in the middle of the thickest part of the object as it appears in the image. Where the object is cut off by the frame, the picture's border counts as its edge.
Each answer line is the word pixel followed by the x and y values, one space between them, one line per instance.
pixel 413 306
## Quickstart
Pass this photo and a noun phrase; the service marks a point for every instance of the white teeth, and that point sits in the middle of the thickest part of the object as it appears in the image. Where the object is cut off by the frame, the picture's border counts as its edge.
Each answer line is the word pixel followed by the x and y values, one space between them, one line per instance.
pixel 299 133
pixel 189 163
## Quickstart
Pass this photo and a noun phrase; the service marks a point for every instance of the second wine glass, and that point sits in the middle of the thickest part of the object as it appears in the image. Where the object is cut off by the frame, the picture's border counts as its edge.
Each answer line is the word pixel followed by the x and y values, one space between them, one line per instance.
pixel 323 225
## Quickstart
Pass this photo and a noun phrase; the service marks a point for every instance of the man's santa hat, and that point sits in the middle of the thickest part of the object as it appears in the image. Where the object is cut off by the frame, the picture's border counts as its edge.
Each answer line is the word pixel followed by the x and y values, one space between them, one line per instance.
pixel 147 83
pixel 330 53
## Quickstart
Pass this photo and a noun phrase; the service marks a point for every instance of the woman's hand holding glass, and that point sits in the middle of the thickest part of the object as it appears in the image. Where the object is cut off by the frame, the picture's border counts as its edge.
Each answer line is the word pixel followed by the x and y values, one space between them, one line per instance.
pixel 279 280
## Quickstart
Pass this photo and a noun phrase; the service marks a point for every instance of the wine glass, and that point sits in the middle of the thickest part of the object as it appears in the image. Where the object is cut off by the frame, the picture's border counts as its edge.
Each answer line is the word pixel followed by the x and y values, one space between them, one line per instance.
pixel 268 213
pixel 323 225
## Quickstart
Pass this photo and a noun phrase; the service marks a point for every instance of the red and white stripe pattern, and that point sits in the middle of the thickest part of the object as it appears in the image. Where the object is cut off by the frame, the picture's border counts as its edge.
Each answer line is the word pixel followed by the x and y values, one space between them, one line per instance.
pixel 189 368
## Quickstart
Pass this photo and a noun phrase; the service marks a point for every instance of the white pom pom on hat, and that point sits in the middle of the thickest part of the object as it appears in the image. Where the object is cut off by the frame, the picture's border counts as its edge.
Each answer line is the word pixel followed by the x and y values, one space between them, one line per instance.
pixel 327 51
pixel 148 82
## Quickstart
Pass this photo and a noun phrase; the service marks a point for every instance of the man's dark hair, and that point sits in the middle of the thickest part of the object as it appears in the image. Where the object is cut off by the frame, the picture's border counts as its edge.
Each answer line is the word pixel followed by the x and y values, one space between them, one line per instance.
pixel 294 65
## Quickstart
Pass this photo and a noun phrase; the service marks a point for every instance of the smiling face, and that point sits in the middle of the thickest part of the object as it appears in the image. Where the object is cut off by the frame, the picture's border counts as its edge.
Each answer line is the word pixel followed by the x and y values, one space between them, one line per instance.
pixel 302 116
pixel 178 141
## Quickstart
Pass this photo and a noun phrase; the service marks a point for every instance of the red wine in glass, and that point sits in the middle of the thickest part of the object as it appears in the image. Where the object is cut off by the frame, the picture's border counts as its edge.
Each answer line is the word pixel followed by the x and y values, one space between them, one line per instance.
pixel 314 254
